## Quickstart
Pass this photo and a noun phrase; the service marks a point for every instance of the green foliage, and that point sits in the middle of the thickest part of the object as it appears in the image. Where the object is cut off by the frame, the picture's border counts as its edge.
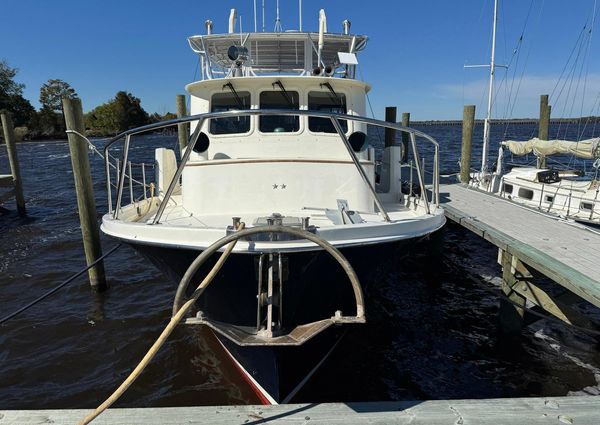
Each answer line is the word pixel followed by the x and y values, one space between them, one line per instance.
pixel 11 95
pixel 52 92
pixel 156 117
pixel 119 114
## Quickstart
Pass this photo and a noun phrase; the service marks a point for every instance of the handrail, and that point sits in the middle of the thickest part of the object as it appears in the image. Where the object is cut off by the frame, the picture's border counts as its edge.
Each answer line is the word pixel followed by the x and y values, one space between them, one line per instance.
pixel 175 179
pixel 360 169
pixel 287 112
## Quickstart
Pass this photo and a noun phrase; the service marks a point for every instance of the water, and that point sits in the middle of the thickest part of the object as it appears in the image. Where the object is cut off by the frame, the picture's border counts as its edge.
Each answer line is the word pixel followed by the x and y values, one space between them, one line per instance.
pixel 432 330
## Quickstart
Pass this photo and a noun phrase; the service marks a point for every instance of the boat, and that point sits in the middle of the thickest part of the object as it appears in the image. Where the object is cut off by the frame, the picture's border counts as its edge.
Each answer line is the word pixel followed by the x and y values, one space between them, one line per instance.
pixel 564 193
pixel 279 142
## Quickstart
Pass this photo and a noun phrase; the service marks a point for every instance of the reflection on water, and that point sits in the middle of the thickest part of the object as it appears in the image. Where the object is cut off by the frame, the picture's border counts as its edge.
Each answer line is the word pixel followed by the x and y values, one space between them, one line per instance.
pixel 431 331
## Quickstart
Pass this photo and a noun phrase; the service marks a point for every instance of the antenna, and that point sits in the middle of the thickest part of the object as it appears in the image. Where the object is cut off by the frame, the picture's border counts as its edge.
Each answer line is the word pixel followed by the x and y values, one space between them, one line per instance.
pixel 232 18
pixel 277 20
pixel 300 14
pixel 263 15
pixel 255 16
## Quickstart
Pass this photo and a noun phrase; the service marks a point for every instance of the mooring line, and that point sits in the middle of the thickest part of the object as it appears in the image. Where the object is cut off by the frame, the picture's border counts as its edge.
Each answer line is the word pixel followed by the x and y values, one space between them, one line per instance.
pixel 53 290
pixel 175 319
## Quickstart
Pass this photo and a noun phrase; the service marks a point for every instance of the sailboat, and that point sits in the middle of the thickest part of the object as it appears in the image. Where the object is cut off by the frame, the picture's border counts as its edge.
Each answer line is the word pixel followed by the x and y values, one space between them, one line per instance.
pixel 562 193
pixel 279 142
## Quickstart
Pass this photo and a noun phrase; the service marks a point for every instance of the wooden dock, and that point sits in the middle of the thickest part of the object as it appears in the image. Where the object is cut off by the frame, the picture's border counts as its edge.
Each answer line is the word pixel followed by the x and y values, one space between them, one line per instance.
pixel 566 253
pixel 579 410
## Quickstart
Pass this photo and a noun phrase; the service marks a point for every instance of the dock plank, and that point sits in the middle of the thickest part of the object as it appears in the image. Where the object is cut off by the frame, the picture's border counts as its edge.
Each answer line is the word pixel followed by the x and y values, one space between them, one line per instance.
pixel 532 411
pixel 567 254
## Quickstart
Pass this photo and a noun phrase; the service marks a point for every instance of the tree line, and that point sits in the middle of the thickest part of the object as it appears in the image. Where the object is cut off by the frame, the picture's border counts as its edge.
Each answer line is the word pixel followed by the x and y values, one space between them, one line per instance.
pixel 120 113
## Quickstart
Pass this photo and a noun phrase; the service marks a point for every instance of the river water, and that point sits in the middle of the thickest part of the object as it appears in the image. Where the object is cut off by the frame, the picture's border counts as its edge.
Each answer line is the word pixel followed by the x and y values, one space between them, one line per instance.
pixel 432 330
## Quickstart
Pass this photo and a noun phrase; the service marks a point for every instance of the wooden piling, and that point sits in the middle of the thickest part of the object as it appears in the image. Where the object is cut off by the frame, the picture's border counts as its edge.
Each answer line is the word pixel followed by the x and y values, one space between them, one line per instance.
pixel 86 203
pixel 467 143
pixel 13 158
pixel 183 130
pixel 544 124
pixel 511 316
pixel 405 137
pixel 390 133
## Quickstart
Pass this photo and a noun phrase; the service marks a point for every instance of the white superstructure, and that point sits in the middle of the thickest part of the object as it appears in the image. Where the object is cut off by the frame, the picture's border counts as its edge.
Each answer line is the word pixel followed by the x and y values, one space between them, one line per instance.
pixel 297 166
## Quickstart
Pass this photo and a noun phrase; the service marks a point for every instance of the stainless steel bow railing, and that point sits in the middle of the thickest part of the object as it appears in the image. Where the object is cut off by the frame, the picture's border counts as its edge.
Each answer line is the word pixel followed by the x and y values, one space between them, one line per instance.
pixel 335 120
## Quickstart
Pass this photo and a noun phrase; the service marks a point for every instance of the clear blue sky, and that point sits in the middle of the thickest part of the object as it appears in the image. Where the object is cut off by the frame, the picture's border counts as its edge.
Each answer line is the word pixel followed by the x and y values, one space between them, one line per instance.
pixel 414 58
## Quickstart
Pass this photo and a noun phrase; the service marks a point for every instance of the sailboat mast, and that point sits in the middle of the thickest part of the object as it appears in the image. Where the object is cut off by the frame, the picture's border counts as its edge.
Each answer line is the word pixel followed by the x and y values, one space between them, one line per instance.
pixel 486 122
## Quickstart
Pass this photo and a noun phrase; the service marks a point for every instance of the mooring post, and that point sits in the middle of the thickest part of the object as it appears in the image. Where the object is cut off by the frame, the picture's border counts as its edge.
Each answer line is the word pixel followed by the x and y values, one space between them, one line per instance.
pixel 467 143
pixel 405 137
pixel 183 130
pixel 544 125
pixel 511 316
pixel 390 133
pixel 13 158
pixel 84 189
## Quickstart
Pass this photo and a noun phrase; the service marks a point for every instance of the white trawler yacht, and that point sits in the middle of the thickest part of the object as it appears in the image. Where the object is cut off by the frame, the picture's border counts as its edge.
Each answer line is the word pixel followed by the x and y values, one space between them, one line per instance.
pixel 279 140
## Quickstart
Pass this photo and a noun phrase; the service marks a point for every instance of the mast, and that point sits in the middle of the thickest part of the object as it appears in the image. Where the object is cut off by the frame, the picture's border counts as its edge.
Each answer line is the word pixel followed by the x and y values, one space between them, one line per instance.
pixel 486 122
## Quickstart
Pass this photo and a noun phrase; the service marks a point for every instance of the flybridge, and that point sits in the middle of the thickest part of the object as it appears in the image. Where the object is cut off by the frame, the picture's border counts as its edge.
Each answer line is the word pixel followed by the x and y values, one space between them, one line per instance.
pixel 290 52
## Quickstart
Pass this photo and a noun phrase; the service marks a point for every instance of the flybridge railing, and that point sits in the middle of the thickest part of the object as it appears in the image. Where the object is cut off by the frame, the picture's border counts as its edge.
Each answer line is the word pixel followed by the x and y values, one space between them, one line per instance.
pixel 429 195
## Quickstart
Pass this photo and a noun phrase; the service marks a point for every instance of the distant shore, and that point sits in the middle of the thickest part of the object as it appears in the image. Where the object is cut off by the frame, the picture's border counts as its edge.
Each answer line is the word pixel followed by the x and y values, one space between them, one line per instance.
pixel 510 121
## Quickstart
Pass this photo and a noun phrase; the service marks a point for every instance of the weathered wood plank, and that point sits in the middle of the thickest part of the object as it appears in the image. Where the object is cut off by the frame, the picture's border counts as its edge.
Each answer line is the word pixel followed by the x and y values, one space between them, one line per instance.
pixel 6 180
pixel 578 410
pixel 565 253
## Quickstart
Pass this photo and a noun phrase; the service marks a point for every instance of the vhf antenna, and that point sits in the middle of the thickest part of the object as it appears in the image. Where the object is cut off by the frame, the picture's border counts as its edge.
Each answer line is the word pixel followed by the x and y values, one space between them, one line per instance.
pixel 277 21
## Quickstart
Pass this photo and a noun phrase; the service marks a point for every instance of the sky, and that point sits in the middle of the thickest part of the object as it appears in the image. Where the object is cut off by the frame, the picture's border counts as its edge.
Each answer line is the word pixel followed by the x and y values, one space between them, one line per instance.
pixel 414 60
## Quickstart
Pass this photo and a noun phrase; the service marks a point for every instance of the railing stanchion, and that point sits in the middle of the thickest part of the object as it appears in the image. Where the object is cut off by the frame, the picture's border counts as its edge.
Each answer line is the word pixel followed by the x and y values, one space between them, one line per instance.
pixel 131 199
pixel 342 135
pixel 413 141
pixel 121 174
pixel 108 185
pixel 144 178
pixel 184 160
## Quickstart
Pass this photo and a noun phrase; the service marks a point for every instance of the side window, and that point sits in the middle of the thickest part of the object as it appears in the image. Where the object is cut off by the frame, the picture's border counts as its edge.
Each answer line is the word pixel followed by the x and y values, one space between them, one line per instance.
pixel 279 123
pixel 326 102
pixel 226 102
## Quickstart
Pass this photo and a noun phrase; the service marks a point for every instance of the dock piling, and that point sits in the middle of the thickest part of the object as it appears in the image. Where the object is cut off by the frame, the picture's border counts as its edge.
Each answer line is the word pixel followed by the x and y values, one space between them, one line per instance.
pixel 390 133
pixel 544 123
pixel 183 130
pixel 511 316
pixel 467 143
pixel 11 148
pixel 85 192
pixel 405 138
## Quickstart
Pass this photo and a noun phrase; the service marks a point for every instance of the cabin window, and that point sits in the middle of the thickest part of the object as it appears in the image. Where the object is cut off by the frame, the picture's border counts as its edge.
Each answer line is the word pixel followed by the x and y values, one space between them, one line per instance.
pixel 587 206
pixel 525 193
pixel 326 102
pixel 279 99
pixel 549 198
pixel 507 188
pixel 227 102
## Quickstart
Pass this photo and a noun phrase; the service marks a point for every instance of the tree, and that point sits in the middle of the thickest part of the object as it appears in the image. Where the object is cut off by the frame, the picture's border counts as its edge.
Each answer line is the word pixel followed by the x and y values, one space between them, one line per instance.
pixel 52 92
pixel 11 95
pixel 119 114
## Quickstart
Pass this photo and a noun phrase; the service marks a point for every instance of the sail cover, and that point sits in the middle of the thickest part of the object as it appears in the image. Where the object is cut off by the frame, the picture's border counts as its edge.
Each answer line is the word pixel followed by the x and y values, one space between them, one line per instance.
pixel 587 149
